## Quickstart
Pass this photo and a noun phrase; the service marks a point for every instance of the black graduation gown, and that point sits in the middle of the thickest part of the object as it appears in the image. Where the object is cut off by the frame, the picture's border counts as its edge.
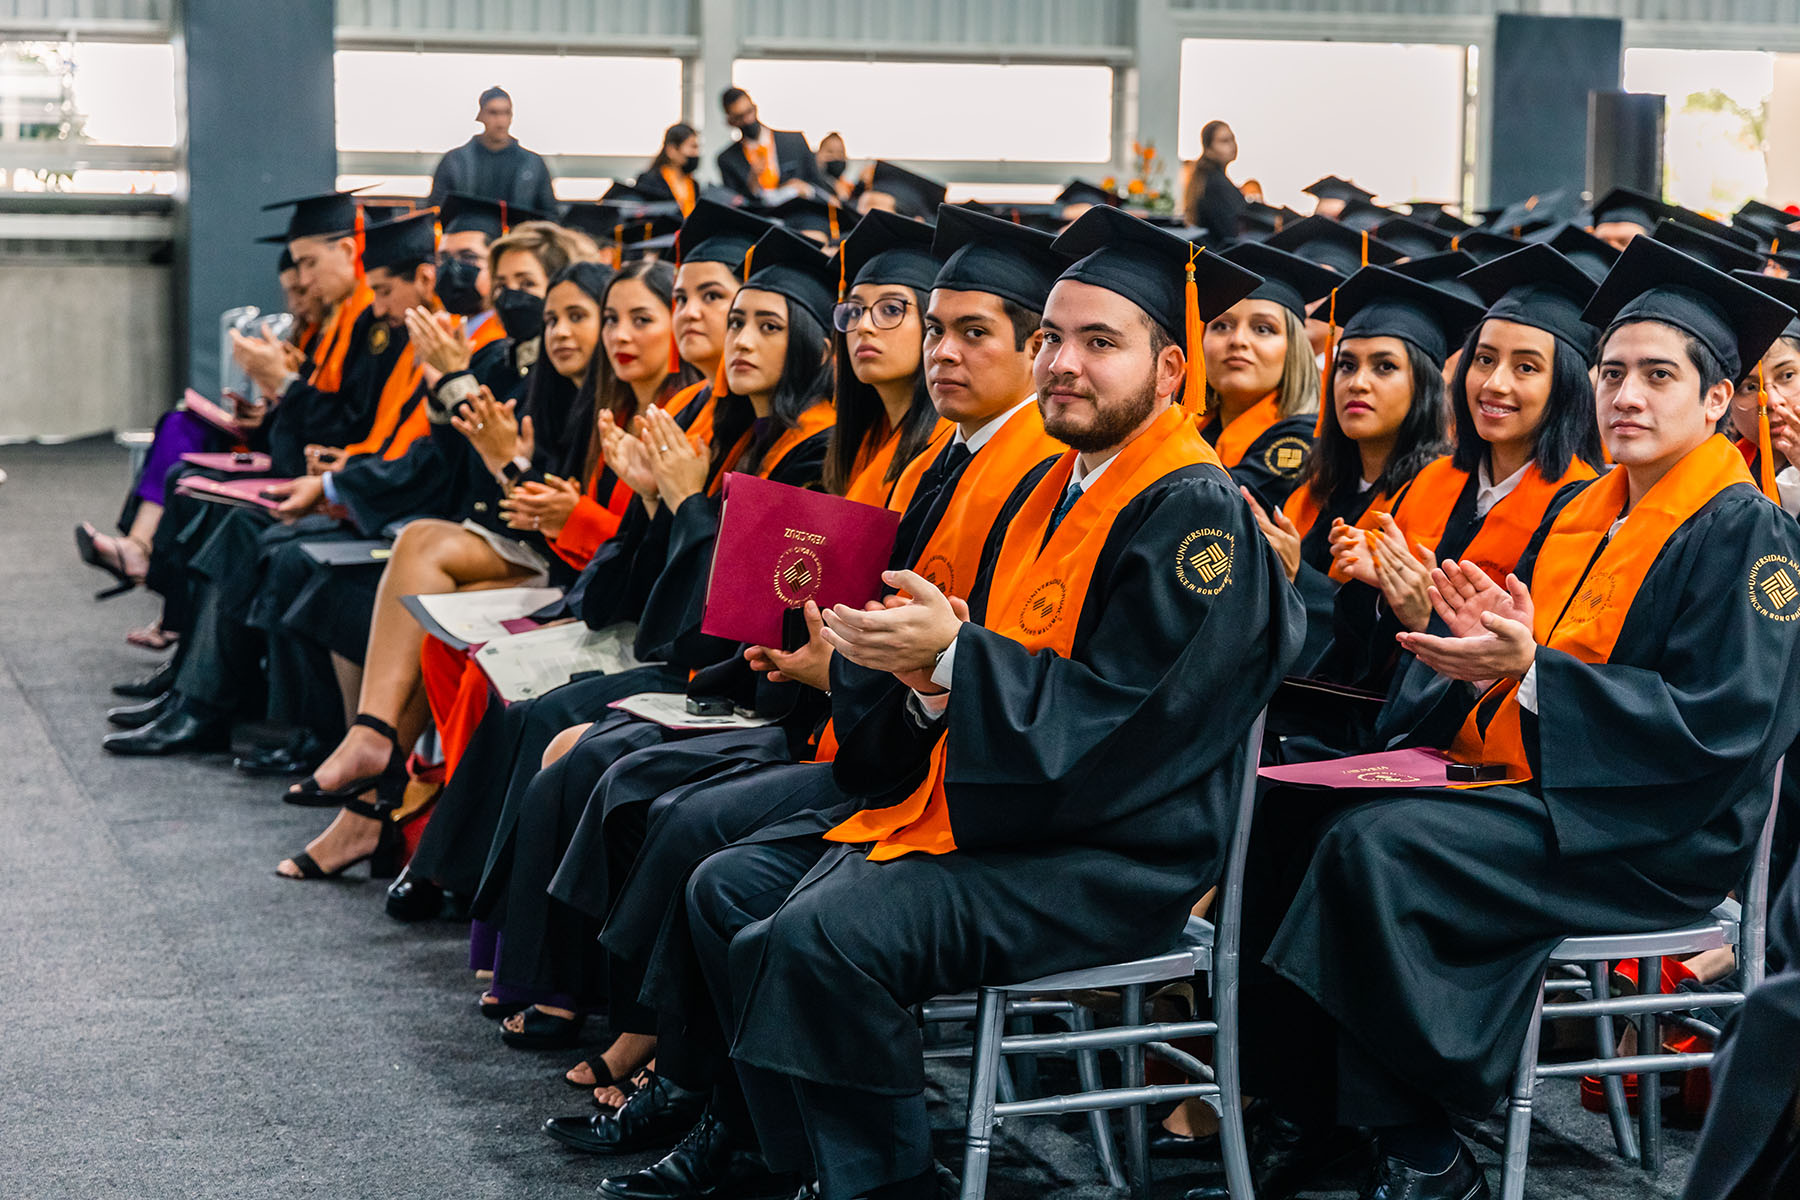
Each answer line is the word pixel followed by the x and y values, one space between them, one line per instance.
pixel 307 415
pixel 1275 463
pixel 1063 782
pixel 793 157
pixel 1317 589
pixel 1651 784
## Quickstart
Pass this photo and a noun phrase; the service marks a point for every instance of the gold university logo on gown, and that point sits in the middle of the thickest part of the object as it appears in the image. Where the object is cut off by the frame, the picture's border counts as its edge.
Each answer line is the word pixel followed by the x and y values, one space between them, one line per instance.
pixel 1286 456
pixel 1203 561
pixel 1775 587
pixel 378 338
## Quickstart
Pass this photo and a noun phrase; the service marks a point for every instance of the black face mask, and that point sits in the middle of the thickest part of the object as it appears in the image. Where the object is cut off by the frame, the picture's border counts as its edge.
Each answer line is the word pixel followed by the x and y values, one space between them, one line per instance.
pixel 689 165
pixel 521 313
pixel 835 167
pixel 456 286
pixel 752 131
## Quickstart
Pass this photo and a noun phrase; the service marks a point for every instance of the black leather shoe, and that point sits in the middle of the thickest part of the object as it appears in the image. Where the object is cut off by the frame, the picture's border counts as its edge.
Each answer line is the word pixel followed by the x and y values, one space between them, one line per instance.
pixel 1164 1144
pixel 296 756
pixel 136 716
pixel 410 898
pixel 706 1164
pixel 1394 1179
pixel 1285 1157
pixel 656 1115
pixel 150 686
pixel 177 730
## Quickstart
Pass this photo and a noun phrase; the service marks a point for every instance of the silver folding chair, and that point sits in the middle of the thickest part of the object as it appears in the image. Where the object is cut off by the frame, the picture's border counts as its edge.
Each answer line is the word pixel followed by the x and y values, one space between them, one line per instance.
pixel 1203 948
pixel 1740 923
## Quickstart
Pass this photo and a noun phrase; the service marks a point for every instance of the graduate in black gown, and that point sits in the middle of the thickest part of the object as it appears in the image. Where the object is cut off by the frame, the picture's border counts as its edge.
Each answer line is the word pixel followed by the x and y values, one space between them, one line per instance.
pixel 1028 758
pixel 1645 664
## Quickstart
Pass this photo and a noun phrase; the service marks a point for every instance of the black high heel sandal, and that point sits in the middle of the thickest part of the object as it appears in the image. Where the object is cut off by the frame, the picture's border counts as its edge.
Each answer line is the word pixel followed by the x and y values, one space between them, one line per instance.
pixel 385 860
pixel 89 551
pixel 389 786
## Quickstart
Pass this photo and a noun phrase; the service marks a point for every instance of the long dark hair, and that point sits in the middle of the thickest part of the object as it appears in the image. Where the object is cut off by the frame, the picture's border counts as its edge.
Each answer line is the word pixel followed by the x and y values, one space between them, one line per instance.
pixel 612 393
pixel 1336 465
pixel 562 415
pixel 861 415
pixel 805 380
pixel 1566 430
pixel 674 135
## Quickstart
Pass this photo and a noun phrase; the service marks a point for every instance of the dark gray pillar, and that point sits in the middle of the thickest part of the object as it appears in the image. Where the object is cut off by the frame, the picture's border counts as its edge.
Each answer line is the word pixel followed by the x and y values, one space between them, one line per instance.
pixel 258 124
pixel 1543 69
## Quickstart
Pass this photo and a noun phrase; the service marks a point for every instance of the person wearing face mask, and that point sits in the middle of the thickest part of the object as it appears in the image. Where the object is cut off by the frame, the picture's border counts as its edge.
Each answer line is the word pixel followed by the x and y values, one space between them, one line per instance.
pixel 671 173
pixel 834 161
pixel 763 164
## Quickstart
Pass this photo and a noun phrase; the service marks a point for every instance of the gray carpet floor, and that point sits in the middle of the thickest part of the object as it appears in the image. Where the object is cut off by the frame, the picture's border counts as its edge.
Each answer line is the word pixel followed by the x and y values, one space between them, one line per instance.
pixel 179 1022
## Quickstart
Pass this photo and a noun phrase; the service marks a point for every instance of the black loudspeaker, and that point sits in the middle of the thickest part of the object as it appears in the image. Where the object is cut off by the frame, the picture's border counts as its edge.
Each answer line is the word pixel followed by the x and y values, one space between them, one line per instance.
pixel 1625 142
pixel 1543 69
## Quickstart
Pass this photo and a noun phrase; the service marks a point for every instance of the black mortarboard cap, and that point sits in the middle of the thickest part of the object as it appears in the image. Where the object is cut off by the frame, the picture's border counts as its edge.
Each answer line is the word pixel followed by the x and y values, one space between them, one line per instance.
pixel 1080 191
pixel 1323 241
pixel 1381 302
pixel 1484 245
pixel 460 213
pixel 1360 215
pixel 1046 218
pixel 1538 287
pixel 1437 214
pixel 888 248
pixel 1656 282
pixel 1785 290
pixel 1001 258
pixel 1593 256
pixel 596 218
pixel 1444 272
pixel 1718 253
pixel 1757 210
pixel 285 262
pixel 643 236
pixel 787 264
pixel 1333 188
pixel 1288 279
pixel 328 214
pixel 1259 220
pixel 1533 212
pixel 719 233
pixel 1625 206
pixel 1412 237
pixel 803 214
pixel 1148 266
pixel 1742 238
pixel 400 242
pixel 914 195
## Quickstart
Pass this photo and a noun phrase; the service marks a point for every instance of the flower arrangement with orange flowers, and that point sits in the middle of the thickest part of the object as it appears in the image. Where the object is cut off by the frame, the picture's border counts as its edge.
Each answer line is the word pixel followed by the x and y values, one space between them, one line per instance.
pixel 1148 187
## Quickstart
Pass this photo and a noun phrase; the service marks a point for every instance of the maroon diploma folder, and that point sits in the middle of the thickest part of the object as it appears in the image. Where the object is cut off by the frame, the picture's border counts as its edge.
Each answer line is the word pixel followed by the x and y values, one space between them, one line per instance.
pixel 231 464
pixel 243 493
pixel 219 418
pixel 1385 769
pixel 780 546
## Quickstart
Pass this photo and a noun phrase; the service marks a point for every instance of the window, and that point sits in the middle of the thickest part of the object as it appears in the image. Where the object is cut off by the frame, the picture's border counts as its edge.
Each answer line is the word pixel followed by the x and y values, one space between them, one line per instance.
pixel 1715 121
pixel 401 101
pixel 972 112
pixel 1388 116
pixel 86 117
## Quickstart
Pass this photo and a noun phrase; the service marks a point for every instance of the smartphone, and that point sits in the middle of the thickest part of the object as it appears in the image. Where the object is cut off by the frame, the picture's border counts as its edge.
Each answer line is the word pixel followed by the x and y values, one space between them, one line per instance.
pixel 1475 772
pixel 709 706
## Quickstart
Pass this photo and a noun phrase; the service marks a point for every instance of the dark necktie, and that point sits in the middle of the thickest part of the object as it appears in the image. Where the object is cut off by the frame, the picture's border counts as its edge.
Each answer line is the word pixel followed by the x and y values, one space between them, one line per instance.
pixel 1070 496
pixel 958 454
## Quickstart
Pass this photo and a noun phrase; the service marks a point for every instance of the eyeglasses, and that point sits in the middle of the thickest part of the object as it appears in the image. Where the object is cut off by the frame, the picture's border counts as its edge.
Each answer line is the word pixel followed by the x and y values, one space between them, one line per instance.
pixel 886 314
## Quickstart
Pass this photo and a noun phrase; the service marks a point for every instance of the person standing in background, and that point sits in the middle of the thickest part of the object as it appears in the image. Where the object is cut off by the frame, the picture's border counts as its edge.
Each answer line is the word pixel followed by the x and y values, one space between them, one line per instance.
pixel 764 161
pixel 492 165
pixel 1212 202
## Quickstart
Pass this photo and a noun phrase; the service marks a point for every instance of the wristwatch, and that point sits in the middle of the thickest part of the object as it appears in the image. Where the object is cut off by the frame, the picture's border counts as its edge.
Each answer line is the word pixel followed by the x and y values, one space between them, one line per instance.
pixel 515 470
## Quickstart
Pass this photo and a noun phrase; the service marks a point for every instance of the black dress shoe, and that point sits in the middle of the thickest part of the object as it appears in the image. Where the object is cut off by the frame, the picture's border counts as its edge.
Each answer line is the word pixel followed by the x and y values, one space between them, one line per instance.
pixel 1164 1144
pixel 706 1164
pixel 177 730
pixel 410 898
pixel 296 756
pixel 136 716
pixel 1285 1157
pixel 150 686
pixel 655 1115
pixel 1394 1179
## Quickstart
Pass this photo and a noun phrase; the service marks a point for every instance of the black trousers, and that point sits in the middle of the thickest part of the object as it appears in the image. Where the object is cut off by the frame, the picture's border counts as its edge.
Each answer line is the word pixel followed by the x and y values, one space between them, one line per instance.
pixel 852 1139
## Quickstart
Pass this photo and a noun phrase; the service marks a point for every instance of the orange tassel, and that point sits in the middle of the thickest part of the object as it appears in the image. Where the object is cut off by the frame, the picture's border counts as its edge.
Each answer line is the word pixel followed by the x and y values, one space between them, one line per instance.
pixel 505 221
pixel 360 241
pixel 618 245
pixel 1195 396
pixel 1365 247
pixel 832 216
pixel 1765 446
pixel 748 255
pixel 1456 243
pixel 1330 360
pixel 843 288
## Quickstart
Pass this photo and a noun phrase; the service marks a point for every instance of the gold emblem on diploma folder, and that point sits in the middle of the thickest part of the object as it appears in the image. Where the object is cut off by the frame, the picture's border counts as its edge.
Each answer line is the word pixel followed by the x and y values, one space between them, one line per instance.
pixel 798 570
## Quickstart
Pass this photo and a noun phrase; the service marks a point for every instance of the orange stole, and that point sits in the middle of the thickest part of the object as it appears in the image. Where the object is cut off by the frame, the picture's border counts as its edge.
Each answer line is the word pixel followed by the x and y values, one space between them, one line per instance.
pixel 1580 601
pixel 1036 600
pixel 907 486
pixel 814 420
pixel 681 186
pixel 762 161
pixel 1252 423
pixel 334 339
pixel 402 382
pixel 417 423
pixel 1506 530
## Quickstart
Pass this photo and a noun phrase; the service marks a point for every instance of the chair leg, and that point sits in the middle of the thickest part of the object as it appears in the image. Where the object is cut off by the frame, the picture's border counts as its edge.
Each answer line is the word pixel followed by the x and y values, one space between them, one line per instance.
pixel 1022 1068
pixel 990 1025
pixel 1518 1108
pixel 1087 1070
pixel 1650 1085
pixel 1137 1117
pixel 1617 1112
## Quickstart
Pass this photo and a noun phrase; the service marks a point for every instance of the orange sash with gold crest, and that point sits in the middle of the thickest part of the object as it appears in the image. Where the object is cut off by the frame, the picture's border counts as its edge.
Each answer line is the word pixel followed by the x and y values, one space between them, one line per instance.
pixel 1036 600
pixel 1583 584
